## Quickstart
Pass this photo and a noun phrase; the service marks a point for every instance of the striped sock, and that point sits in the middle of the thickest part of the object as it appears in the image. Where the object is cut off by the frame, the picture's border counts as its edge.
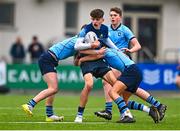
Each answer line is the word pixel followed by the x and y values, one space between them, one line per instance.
pixel 49 111
pixel 133 105
pixel 32 103
pixel 108 106
pixel 153 101
pixel 80 111
pixel 121 105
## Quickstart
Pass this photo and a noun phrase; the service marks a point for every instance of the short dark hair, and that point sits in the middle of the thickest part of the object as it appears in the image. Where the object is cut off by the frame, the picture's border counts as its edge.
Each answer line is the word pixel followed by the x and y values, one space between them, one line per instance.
pixel 117 10
pixel 97 13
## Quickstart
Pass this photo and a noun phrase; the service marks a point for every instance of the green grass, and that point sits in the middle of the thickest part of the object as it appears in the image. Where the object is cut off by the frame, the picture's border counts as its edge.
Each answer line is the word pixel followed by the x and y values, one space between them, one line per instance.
pixel 13 118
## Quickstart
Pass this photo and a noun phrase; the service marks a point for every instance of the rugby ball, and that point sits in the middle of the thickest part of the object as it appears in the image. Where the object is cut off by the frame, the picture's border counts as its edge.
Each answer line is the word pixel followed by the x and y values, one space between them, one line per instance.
pixel 90 37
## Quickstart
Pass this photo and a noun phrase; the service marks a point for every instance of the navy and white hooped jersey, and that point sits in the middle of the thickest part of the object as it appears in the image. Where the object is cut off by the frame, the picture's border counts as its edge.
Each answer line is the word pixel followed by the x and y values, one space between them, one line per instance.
pixel 101 33
pixel 117 59
pixel 121 36
pixel 65 48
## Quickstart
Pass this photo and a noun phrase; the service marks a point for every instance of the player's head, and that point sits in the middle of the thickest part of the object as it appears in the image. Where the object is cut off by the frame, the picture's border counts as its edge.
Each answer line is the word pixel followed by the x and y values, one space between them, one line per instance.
pixel 115 15
pixel 97 18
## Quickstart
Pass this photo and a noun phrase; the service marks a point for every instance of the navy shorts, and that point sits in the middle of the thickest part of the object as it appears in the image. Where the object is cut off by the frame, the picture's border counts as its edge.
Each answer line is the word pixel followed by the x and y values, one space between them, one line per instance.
pixel 97 68
pixel 47 63
pixel 131 77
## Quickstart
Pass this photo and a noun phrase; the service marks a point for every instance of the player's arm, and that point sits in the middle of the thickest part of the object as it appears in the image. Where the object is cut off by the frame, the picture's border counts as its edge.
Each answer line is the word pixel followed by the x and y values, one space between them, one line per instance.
pixel 78 59
pixel 81 45
pixel 92 55
pixel 89 58
pixel 93 52
pixel 135 46
pixel 110 44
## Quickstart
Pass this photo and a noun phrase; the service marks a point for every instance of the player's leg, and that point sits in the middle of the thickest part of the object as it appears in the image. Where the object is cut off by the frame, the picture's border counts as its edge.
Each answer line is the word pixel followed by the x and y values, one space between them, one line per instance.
pixel 88 78
pixel 129 81
pixel 51 80
pixel 50 116
pixel 47 66
pixel 108 104
pixel 115 92
pixel 151 100
pixel 107 113
pixel 109 77
pixel 133 105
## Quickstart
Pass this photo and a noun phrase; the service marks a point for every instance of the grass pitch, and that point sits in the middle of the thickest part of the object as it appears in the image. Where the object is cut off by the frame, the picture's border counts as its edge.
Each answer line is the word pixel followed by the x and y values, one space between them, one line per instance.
pixel 13 118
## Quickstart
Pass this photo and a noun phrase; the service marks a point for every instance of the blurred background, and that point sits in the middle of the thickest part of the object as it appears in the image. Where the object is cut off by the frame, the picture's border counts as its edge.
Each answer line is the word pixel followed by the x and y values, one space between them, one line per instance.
pixel 156 24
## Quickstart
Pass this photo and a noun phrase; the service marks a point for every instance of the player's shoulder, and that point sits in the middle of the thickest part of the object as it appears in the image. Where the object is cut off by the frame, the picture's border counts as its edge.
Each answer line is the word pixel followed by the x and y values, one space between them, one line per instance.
pixel 124 27
pixel 109 27
pixel 105 27
pixel 121 27
pixel 88 28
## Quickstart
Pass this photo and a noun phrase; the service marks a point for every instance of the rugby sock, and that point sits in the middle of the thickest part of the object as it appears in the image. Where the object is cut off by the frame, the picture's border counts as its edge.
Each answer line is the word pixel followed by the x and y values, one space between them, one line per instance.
pixel 121 105
pixel 108 106
pixel 80 111
pixel 49 111
pixel 153 101
pixel 32 103
pixel 137 106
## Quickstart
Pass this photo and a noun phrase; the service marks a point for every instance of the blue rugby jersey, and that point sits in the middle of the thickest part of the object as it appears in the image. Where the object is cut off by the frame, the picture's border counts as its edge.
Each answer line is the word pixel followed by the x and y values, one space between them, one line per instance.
pixel 117 59
pixel 65 48
pixel 101 33
pixel 120 36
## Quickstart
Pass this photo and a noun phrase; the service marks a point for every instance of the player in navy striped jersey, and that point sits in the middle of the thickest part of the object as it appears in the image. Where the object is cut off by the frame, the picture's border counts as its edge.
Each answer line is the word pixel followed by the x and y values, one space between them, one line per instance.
pixel 97 68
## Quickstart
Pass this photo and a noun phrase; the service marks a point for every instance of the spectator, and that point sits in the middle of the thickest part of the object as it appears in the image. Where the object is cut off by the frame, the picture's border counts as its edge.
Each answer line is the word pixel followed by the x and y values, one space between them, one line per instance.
pixel 35 49
pixel 17 51
pixel 178 76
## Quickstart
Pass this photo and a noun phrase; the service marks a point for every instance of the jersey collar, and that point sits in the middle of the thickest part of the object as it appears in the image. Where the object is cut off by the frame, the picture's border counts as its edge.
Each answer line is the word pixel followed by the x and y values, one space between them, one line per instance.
pixel 116 27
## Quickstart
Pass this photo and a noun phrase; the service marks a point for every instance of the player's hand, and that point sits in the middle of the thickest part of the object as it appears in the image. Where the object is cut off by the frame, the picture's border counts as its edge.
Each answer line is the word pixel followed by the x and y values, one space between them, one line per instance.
pixel 79 62
pixel 126 50
pixel 100 56
pixel 76 59
pixel 76 62
pixel 101 51
pixel 95 44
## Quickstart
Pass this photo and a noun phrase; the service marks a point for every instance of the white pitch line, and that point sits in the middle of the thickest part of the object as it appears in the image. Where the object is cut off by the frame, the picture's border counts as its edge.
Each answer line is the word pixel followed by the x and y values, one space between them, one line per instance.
pixel 26 122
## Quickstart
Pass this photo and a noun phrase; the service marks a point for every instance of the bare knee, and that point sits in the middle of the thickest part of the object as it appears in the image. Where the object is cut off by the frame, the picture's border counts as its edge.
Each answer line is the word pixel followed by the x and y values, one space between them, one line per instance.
pixel 89 85
pixel 53 90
